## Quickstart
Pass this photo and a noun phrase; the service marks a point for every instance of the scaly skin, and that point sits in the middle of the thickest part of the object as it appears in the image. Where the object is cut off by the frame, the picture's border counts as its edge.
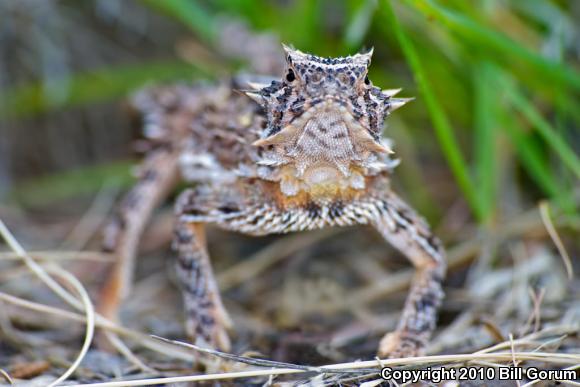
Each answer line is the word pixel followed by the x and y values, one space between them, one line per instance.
pixel 301 153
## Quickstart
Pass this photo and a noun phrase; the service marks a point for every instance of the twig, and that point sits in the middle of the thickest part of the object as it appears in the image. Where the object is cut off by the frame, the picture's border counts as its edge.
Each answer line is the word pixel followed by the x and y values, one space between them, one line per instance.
pixel 125 351
pixel 528 340
pixel 6 376
pixel 92 218
pixel 554 358
pixel 40 272
pixel 37 269
pixel 96 256
pixel 545 214
pixel 102 323
pixel 550 342
pixel 535 314
pixel 49 281
pixel 254 361
pixel 514 361
pixel 90 318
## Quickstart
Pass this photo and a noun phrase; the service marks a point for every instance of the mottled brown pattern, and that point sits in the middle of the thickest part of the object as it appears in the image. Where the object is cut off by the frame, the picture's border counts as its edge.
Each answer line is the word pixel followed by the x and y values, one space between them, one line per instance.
pixel 299 153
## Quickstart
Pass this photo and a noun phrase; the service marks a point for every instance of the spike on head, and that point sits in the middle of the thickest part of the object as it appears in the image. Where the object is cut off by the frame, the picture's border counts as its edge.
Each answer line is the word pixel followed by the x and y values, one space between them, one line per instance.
pixel 396 103
pixel 366 56
pixel 322 114
pixel 391 92
pixel 256 85
pixel 256 97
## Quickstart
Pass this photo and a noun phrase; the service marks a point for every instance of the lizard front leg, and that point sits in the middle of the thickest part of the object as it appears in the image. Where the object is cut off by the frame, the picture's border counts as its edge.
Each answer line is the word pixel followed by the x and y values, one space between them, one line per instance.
pixel 207 321
pixel 159 173
pixel 406 231
pixel 392 217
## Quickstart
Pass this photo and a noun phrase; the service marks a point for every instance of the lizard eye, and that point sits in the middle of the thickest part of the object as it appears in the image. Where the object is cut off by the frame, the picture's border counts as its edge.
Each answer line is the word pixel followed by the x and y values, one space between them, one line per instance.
pixel 290 77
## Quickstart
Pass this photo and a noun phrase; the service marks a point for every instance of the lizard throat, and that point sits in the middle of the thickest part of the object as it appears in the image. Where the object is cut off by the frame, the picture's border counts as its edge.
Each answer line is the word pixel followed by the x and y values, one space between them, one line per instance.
pixel 321 180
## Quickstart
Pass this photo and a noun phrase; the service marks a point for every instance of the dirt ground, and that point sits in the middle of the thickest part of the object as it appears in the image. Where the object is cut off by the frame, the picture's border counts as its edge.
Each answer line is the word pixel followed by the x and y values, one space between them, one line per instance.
pixel 309 299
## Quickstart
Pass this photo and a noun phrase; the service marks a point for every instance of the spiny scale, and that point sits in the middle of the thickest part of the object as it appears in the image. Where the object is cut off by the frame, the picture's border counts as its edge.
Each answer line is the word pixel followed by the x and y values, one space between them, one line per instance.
pixel 319 160
pixel 391 92
pixel 397 103
pixel 324 113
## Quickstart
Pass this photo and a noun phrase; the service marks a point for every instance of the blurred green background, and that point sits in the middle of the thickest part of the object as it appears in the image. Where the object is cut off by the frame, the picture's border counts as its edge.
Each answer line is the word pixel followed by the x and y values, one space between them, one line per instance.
pixel 493 130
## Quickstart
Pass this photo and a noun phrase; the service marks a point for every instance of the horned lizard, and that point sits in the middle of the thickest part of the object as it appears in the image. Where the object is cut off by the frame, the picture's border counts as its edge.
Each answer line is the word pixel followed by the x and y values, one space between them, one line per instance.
pixel 298 153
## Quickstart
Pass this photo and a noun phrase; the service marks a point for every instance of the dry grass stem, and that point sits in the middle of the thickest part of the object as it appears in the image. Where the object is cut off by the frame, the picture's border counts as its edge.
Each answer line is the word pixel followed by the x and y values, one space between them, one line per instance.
pixel 507 288
pixel 545 214
pixel 55 255
pixel 6 376
pixel 549 358
pixel 85 303
pixel 102 323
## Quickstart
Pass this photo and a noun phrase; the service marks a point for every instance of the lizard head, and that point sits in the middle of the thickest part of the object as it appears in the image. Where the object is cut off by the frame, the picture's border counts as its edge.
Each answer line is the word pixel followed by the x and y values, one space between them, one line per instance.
pixel 324 123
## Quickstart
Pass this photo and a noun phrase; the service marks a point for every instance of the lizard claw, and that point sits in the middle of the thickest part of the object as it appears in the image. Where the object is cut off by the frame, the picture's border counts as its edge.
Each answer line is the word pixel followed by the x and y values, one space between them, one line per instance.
pixel 398 344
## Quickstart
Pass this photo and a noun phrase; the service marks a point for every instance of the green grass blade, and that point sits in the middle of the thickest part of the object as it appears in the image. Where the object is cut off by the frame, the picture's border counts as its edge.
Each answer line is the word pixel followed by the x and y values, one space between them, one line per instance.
pixel 308 12
pixel 41 191
pixel 90 87
pixel 484 137
pixel 359 24
pixel 543 127
pixel 190 13
pixel 530 156
pixel 441 123
pixel 501 45
pixel 257 13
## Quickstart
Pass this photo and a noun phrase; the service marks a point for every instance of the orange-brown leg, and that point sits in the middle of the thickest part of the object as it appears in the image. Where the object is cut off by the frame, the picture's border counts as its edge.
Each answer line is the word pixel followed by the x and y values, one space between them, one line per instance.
pixel 405 230
pixel 206 319
pixel 158 177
